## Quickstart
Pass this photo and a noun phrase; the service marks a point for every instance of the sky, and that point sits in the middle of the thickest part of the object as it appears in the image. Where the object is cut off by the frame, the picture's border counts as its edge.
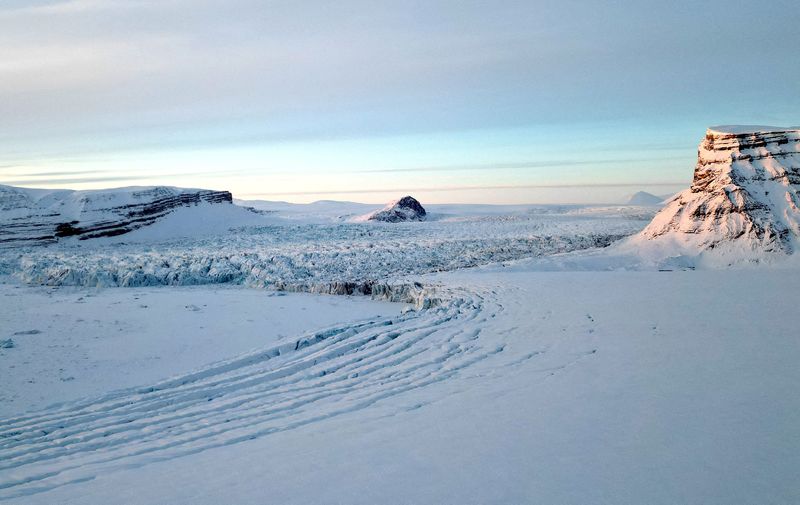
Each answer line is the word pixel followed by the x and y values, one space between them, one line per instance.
pixel 451 101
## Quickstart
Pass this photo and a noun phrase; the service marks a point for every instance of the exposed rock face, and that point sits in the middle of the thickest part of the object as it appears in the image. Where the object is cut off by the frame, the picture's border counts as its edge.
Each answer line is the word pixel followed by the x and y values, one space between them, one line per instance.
pixel 417 294
pixel 404 209
pixel 746 192
pixel 31 216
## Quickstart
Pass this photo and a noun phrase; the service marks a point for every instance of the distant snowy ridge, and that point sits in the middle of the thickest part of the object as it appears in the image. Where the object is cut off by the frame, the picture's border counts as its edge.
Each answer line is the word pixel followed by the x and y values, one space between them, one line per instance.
pixel 319 212
pixel 32 216
pixel 744 197
pixel 404 209
pixel 643 198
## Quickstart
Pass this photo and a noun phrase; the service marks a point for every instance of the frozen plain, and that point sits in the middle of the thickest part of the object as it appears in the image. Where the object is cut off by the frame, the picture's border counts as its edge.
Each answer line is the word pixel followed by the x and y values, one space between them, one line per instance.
pixel 76 342
pixel 620 384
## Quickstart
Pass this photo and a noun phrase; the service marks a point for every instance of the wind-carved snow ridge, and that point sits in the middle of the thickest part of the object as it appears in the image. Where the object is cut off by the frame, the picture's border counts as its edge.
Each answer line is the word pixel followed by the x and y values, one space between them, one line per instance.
pixel 745 194
pixel 318 376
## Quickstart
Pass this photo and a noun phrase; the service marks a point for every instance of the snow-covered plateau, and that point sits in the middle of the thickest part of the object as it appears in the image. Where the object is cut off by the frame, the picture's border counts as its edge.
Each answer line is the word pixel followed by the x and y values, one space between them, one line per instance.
pixel 507 354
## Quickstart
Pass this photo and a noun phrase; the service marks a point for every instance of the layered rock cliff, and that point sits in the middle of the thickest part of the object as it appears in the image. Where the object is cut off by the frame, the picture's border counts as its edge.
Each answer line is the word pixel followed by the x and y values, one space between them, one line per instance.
pixel 745 193
pixel 35 216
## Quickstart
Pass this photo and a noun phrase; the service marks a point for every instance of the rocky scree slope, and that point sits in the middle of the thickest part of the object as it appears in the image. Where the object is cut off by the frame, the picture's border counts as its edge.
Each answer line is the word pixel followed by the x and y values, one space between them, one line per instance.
pixel 37 216
pixel 745 194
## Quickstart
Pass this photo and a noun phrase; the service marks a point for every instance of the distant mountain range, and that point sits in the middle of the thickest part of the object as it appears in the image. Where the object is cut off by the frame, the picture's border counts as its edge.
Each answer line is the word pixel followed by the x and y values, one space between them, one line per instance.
pixel 745 196
pixel 42 216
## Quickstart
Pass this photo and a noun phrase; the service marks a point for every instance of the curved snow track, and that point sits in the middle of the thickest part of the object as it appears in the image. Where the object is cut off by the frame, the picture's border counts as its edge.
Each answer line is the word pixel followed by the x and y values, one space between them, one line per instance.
pixel 327 373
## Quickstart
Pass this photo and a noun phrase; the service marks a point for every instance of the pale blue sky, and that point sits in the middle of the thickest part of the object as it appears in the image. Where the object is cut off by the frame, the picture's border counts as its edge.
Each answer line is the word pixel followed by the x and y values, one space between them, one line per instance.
pixel 472 101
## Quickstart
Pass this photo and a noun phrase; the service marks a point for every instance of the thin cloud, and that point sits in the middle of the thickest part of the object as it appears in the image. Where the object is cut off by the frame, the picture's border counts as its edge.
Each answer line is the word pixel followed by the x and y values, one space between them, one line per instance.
pixel 49 7
pixel 520 165
pixel 470 188
pixel 58 173
pixel 77 180
pixel 109 178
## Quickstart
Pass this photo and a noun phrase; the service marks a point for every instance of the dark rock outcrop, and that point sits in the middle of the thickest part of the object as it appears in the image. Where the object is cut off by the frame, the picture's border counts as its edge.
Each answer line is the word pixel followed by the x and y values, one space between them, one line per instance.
pixel 404 209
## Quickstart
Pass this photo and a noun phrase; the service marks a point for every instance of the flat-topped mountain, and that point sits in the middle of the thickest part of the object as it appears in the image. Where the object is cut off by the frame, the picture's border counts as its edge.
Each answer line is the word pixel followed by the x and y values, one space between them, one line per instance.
pixel 745 193
pixel 404 209
pixel 31 216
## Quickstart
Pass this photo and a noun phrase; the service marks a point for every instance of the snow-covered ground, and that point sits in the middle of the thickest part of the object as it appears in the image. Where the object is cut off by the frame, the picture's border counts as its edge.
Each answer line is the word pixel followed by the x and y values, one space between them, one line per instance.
pixel 589 387
pixel 535 377
pixel 69 343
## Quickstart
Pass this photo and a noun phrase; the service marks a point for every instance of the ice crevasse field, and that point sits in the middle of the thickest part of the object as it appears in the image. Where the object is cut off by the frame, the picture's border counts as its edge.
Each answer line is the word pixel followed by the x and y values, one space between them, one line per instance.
pixel 486 354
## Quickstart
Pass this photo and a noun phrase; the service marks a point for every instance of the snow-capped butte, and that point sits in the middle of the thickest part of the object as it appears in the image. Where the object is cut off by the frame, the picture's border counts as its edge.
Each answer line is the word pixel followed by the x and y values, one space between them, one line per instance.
pixel 30 216
pixel 750 129
pixel 404 209
pixel 644 198
pixel 745 194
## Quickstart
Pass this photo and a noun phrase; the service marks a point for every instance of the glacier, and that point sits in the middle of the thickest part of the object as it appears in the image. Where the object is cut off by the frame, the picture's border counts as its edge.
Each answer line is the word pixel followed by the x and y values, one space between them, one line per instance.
pixel 510 354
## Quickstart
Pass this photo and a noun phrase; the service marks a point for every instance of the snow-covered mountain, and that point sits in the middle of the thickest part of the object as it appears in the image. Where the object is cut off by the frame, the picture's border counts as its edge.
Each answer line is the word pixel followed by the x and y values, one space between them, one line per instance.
pixel 31 216
pixel 744 197
pixel 404 209
pixel 643 198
